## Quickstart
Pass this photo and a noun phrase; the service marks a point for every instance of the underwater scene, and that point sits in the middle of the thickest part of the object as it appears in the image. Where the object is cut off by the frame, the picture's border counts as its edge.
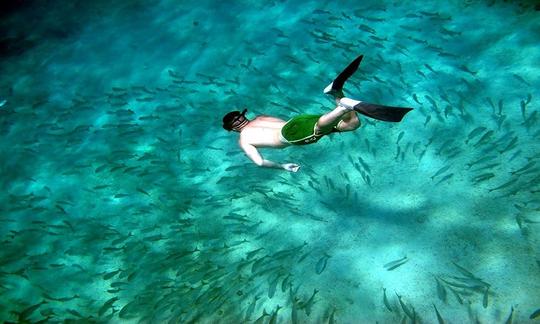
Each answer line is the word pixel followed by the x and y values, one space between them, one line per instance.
pixel 123 199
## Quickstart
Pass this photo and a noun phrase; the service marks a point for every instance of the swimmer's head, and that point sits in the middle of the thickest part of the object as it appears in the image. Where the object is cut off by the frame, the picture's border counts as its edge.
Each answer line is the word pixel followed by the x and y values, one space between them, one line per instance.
pixel 235 120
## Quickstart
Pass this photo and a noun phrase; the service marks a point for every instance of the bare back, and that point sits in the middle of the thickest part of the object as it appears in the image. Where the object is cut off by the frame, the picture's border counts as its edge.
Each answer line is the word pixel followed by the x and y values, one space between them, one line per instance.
pixel 263 131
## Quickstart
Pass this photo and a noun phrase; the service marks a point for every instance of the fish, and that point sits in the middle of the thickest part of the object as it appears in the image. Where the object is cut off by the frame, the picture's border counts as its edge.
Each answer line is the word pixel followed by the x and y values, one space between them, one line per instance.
pixel 400 136
pixel 74 313
pixel 366 28
pixel 524 168
pixel 25 313
pixel 129 310
pixel 523 107
pixel 531 119
pixel 439 317
pixel 535 314
pixel 447 110
pixel 108 304
pixel 432 101
pixel 261 318
pixel 484 138
pixel 285 283
pixel 3 102
pixel 510 145
pixel 251 254
pixel 456 294
pixel 466 283
pixel 321 264
pixel 405 308
pixel 483 177
pixel 257 264
pixel 273 319
pixel 481 160
pixel 441 291
pixel 273 286
pixel 464 271
pixel 309 303
pixel 396 263
pixel 485 299
pixel 449 32
pixel 111 274
pixel 441 171
pixel 143 191
pixel 304 256
pixel 61 299
pixel 100 168
pixel 475 132
pixel 398 152
pixel 429 68
pixel 520 79
pixel 320 12
pixel 500 105
pixel 251 308
pixel 386 302
pixel 529 98
pixel 415 98
pixel 464 68
pixel 505 185
pixel 509 319
pixel 446 177
pixel 364 165
pixel 428 118
pixel 490 102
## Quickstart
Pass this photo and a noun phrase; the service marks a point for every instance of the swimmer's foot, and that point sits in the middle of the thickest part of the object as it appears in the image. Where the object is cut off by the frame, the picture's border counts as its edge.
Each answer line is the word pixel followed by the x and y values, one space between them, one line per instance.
pixel 336 93
pixel 335 88
pixel 349 103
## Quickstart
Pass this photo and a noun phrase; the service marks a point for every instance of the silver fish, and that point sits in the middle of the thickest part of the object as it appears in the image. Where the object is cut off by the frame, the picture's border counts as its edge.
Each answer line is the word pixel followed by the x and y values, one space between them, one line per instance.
pixel 509 319
pixel 274 317
pixel 446 177
pixel 400 136
pixel 441 291
pixel 524 168
pixel 321 264
pixel 506 184
pixel 396 263
pixel 485 138
pixel 386 302
pixel 475 132
pixel 405 308
pixel 441 171
pixel 439 317
pixel 251 308
pixel 535 314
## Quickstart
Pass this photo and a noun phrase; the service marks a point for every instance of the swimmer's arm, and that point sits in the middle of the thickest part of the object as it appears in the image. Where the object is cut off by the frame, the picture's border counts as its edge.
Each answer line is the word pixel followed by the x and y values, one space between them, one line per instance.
pixel 254 155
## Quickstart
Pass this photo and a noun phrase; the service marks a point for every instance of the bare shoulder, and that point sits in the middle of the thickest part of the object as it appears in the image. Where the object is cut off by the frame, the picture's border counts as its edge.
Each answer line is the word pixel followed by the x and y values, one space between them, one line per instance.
pixel 268 118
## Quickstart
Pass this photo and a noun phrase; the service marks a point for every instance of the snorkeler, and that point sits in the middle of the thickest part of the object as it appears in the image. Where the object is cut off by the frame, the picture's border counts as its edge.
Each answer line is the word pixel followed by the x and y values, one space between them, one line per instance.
pixel 266 131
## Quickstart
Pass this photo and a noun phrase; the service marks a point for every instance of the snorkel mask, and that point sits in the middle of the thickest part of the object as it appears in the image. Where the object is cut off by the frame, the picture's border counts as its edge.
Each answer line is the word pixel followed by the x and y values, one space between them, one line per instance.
pixel 234 119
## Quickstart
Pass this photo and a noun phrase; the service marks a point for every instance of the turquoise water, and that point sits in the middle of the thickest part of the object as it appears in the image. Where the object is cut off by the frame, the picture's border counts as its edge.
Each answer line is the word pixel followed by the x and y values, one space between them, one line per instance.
pixel 123 199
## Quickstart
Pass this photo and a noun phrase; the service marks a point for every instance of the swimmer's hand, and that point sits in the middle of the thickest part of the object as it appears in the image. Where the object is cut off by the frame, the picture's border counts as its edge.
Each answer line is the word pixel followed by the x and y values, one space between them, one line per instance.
pixel 291 167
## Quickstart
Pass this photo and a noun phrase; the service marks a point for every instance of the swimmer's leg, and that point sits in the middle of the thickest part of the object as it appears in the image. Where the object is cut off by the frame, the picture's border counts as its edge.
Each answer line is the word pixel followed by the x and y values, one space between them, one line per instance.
pixel 349 122
pixel 343 118
pixel 336 87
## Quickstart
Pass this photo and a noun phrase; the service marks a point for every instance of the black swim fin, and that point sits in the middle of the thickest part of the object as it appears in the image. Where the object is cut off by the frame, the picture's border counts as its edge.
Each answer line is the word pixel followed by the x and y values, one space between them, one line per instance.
pixel 380 112
pixel 336 87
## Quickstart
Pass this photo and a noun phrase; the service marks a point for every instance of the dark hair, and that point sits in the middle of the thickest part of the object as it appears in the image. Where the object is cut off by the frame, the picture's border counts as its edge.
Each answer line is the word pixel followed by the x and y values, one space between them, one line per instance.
pixel 233 119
